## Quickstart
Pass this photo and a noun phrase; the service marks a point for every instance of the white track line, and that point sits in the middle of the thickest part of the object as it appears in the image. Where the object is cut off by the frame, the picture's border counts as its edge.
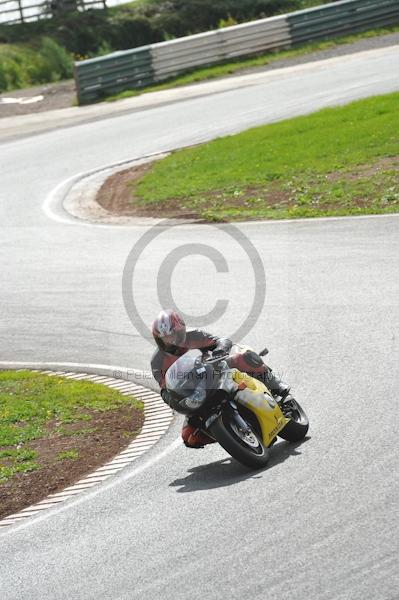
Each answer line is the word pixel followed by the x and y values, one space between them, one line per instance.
pixel 21 523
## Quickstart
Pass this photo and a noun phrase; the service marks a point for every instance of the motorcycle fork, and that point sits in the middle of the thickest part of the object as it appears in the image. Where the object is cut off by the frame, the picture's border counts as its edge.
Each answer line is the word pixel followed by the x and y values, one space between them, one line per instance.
pixel 239 421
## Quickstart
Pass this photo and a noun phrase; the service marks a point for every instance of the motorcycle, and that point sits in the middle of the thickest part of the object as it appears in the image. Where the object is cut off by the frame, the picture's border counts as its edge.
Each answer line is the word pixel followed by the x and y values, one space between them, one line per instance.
pixel 233 408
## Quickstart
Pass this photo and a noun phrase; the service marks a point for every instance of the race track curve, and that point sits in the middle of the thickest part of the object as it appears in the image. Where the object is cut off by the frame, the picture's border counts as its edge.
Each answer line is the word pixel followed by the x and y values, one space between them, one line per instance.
pixel 320 522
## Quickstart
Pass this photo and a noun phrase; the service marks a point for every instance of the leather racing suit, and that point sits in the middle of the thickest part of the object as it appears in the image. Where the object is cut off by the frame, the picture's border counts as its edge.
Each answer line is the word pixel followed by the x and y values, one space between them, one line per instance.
pixel 249 362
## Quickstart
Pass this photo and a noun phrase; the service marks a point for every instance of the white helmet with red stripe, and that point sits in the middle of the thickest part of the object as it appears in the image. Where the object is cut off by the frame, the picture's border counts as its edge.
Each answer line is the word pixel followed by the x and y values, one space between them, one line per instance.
pixel 169 330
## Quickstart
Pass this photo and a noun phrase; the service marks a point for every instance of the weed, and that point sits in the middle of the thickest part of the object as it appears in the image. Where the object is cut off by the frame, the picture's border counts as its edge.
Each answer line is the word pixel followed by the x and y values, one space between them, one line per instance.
pixel 71 454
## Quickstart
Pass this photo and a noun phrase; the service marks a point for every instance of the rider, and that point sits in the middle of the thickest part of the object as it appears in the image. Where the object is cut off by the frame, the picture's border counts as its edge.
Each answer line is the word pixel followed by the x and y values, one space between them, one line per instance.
pixel 172 339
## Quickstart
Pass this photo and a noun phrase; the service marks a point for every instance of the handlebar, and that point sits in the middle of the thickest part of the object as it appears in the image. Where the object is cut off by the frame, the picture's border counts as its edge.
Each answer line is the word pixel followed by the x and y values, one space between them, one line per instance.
pixel 215 359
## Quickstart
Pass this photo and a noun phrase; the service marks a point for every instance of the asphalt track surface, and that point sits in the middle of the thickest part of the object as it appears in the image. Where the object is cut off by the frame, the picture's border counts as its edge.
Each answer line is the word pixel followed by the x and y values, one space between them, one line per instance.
pixel 321 521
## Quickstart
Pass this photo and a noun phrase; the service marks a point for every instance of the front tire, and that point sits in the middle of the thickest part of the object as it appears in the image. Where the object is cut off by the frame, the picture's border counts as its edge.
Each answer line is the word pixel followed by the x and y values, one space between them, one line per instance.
pixel 251 453
pixel 298 425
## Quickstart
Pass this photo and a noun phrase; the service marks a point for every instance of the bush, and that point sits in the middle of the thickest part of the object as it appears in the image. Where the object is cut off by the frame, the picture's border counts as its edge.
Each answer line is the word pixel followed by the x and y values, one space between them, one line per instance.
pixel 132 25
pixel 57 60
pixel 22 66
pixel 183 17
pixel 13 67
pixel 131 31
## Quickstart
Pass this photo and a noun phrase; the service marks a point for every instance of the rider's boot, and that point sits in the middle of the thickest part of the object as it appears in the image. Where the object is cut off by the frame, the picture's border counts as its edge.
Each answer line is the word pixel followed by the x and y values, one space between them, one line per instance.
pixel 192 436
pixel 274 383
pixel 280 390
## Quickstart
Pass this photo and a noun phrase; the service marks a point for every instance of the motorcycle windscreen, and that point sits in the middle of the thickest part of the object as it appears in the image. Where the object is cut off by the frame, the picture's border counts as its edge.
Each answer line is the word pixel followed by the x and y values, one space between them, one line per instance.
pixel 190 379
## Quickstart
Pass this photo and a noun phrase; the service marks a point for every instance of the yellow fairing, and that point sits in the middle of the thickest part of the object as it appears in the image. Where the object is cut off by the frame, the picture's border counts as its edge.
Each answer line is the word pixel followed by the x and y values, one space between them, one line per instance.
pixel 258 399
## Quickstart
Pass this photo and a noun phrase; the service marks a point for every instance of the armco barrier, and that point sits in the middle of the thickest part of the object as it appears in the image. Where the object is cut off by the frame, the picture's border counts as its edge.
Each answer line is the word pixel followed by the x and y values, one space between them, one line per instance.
pixel 177 56
pixel 113 73
pixel 143 66
pixel 348 16
pixel 258 36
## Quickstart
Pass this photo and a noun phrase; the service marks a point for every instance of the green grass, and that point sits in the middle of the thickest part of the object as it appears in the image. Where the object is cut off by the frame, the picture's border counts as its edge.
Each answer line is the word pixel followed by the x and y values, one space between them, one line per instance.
pixel 18 461
pixel 334 162
pixel 62 431
pixel 71 454
pixel 24 65
pixel 35 406
pixel 237 65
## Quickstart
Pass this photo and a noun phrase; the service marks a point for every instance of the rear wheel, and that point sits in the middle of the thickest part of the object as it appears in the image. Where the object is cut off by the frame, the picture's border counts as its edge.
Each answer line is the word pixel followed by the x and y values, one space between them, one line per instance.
pixel 298 425
pixel 242 444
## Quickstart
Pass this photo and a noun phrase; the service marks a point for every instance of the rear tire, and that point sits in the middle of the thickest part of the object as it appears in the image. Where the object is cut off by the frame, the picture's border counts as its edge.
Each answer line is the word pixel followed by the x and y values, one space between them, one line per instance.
pixel 298 425
pixel 230 441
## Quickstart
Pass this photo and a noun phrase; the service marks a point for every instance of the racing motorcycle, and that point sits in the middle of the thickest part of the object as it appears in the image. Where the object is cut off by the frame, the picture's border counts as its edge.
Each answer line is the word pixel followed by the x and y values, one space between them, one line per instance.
pixel 233 408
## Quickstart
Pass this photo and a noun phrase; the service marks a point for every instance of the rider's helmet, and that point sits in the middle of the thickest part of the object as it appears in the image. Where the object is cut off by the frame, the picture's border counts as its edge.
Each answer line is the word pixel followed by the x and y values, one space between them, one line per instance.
pixel 169 331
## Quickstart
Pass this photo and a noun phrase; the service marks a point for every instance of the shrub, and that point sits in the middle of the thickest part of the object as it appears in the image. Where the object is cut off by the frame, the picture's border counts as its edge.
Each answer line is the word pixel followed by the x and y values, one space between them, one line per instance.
pixel 130 31
pixel 229 22
pixel 56 58
pixel 142 23
pixel 13 67
pixel 22 66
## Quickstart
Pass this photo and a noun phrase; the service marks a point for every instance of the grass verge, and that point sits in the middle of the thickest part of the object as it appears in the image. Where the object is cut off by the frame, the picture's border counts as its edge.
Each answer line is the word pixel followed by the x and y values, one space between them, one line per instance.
pixel 235 66
pixel 24 65
pixel 48 424
pixel 338 161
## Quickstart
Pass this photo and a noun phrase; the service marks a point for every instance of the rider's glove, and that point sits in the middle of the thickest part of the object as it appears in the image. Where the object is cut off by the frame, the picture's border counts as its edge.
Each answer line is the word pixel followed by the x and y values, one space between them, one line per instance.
pixel 166 396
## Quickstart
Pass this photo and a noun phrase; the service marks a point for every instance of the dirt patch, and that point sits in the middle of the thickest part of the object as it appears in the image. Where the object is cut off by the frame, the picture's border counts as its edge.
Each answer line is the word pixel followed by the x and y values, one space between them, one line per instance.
pixel 96 440
pixel 55 96
pixel 117 196
pixel 363 171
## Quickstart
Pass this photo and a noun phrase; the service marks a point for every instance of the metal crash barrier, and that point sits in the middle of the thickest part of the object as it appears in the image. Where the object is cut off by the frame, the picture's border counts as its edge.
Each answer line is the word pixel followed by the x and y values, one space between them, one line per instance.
pixel 147 65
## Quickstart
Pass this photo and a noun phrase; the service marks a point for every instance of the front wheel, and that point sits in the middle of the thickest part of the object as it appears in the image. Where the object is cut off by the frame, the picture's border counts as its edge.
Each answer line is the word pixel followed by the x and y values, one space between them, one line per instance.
pixel 244 446
pixel 298 425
